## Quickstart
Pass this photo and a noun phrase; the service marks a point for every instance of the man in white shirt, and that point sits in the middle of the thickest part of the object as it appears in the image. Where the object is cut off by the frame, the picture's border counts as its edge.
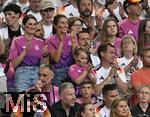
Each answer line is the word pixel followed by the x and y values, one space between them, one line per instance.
pixel 47 13
pixel 109 72
pixel 35 9
pixel 110 93
pixel 24 5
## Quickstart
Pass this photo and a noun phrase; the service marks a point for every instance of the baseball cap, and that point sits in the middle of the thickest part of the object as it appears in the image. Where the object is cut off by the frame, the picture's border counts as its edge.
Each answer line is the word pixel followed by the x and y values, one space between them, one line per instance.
pixel 130 2
pixel 45 4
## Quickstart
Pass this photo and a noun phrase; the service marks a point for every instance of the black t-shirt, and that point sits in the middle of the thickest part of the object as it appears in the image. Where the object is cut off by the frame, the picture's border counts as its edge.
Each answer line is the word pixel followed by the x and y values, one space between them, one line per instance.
pixel 12 34
pixel 57 110
pixel 138 112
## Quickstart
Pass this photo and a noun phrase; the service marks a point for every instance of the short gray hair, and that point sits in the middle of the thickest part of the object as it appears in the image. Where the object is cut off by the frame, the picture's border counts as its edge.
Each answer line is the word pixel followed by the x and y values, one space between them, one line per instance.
pixel 65 85
pixel 46 66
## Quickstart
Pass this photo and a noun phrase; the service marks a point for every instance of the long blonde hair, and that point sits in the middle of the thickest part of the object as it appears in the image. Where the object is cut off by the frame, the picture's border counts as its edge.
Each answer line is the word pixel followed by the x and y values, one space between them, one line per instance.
pixel 114 106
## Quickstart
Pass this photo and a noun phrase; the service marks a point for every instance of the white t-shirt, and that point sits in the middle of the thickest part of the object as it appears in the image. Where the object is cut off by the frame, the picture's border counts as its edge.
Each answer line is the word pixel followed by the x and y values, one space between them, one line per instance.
pixel 36 15
pixel 2 16
pixel 123 62
pixel 1 71
pixel 24 7
pixel 116 12
pixel 102 73
pixel 58 3
pixel 6 3
pixel 95 60
pixel 104 1
pixel 104 112
pixel 47 31
pixel 3 80
pixel 71 11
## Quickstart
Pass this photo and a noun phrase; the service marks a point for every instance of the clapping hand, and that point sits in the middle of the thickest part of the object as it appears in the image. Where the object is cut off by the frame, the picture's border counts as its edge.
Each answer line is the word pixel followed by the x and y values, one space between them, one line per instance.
pixel 134 62
pixel 27 47
pixel 121 10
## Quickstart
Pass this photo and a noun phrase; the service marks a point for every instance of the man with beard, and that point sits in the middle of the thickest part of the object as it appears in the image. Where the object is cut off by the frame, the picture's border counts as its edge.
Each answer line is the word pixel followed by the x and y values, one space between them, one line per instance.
pixel 85 8
pixel 66 107
pixel 34 9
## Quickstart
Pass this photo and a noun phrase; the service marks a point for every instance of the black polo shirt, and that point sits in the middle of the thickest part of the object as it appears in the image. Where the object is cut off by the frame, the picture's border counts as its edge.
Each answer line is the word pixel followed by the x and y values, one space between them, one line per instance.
pixel 58 111
pixel 138 112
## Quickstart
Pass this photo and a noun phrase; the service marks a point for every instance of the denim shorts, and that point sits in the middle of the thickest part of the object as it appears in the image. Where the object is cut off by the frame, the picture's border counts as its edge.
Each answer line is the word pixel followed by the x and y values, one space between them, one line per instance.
pixel 25 77
pixel 60 75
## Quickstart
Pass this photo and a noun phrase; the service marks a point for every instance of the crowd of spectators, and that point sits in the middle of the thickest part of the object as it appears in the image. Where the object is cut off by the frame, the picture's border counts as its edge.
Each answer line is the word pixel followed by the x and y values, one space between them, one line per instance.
pixel 89 58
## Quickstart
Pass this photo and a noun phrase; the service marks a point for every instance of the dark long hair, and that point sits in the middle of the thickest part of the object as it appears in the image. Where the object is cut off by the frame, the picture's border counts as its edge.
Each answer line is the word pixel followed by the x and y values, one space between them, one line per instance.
pixel 104 35
pixel 141 34
pixel 56 20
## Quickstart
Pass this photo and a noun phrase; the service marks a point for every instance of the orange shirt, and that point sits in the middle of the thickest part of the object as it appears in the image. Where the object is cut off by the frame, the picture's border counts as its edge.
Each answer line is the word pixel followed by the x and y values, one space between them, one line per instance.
pixel 140 77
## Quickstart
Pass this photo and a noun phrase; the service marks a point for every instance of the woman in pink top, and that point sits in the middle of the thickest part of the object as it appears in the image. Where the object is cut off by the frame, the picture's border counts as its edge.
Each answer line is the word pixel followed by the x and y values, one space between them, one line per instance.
pixel 110 34
pixel 25 55
pixel 60 47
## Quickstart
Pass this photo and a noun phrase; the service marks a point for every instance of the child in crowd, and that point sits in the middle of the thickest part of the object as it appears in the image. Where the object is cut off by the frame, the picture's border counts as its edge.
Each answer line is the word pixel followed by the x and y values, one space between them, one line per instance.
pixel 81 70
pixel 87 89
